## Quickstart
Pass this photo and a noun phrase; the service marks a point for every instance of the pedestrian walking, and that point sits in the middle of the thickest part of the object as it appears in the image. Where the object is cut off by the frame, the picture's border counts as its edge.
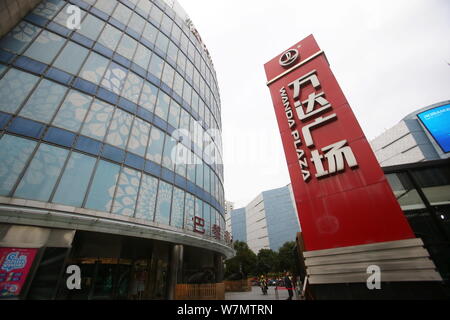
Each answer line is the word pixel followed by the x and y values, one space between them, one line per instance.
pixel 288 285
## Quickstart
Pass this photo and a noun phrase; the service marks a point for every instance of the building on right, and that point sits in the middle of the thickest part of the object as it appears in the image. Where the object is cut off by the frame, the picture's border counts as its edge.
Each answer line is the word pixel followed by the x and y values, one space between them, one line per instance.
pixel 421 136
pixel 415 156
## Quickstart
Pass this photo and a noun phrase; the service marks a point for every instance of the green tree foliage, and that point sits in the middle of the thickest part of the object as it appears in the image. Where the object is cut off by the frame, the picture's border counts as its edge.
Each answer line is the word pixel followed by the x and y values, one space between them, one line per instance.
pixel 288 257
pixel 267 261
pixel 245 261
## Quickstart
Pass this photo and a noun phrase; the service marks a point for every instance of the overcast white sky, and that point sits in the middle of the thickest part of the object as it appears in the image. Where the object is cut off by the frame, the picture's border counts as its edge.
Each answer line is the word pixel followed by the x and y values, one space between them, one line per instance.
pixel 389 57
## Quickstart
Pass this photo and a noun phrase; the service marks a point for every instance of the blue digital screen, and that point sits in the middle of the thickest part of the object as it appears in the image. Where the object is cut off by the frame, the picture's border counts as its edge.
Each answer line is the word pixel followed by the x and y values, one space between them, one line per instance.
pixel 437 122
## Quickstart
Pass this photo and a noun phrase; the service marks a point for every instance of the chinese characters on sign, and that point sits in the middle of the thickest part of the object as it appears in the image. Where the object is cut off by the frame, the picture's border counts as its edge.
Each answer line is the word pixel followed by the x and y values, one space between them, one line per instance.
pixel 335 154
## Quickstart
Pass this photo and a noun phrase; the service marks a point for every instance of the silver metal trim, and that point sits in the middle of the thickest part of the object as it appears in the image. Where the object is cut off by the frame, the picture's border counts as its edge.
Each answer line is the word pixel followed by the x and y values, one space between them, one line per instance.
pixel 294 67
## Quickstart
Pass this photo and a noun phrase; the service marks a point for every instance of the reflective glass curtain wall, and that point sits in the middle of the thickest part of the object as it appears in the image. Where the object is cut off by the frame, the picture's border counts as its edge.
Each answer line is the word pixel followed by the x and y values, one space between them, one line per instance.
pixel 90 117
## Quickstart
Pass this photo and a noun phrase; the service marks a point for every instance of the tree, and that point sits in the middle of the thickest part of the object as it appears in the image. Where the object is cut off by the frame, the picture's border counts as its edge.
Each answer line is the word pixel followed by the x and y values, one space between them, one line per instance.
pixel 243 263
pixel 288 258
pixel 267 261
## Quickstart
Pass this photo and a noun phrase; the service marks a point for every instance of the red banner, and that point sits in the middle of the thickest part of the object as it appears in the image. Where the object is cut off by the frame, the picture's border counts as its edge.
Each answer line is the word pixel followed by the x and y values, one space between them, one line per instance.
pixel 15 264
pixel 342 195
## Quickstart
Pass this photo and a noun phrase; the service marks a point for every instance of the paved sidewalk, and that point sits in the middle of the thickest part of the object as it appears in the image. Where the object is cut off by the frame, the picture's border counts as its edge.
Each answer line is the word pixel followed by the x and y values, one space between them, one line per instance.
pixel 256 294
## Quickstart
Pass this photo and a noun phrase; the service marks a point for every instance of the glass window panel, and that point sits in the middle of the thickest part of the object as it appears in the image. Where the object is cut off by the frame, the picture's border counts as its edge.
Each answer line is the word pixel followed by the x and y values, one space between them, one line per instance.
pixel 145 6
pixel 199 169
pixel 156 66
pixel 174 114
pixel 119 129
pixel 126 193
pixel 94 68
pixel 207 217
pixel 181 61
pixel 168 75
pixel 106 6
pixel 189 212
pixel 150 33
pixel 148 96
pixel 74 182
pixel 103 186
pixel 176 32
pixel 14 88
pixel 162 42
pixel 63 16
pixel 91 27
pixel 48 8
pixel 44 101
pixel 198 208
pixel 191 166
pixel 132 87
pixel 207 183
pixel 166 24
pixel 187 92
pixel 155 146
pixel 122 13
pixel 73 110
pixel 71 58
pixel 182 154
pixel 162 105
pixel 156 15
pixel 42 173
pixel 114 78
pixel 184 120
pixel 147 198
pixel 137 23
pixel 127 47
pixel 45 47
pixel 14 154
pixel 142 56
pixel 19 37
pixel 178 83
pixel 169 153
pixel 110 37
pixel 184 42
pixel 162 212
pixel 177 208
pixel 139 137
pixel 97 120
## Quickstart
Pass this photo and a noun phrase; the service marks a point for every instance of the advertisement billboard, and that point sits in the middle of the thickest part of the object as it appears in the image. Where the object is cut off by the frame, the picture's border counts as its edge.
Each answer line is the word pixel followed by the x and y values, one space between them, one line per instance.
pixel 437 122
pixel 342 195
pixel 15 264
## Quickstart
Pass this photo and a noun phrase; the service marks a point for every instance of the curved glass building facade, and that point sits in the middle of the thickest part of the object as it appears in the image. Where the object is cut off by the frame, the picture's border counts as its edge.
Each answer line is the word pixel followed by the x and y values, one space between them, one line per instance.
pixel 110 125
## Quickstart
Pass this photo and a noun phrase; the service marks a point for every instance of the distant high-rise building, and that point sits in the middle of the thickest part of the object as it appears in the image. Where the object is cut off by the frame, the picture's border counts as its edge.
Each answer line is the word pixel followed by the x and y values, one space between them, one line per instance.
pixel 268 221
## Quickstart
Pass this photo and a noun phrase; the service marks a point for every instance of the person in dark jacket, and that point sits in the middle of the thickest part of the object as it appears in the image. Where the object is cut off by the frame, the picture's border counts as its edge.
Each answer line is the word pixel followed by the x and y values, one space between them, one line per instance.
pixel 288 284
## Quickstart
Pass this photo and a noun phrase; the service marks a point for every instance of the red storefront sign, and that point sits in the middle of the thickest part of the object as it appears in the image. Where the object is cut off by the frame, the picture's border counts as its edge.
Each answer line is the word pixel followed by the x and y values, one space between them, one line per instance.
pixel 15 265
pixel 342 195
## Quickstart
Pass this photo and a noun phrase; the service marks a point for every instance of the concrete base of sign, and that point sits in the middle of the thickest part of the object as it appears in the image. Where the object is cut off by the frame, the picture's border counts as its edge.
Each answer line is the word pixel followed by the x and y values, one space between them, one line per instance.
pixel 390 270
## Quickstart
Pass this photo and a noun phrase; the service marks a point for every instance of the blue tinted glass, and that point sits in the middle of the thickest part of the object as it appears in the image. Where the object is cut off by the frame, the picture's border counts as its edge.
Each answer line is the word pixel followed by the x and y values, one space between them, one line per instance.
pixel 155 147
pixel 126 194
pixel 74 182
pixel 4 118
pixel 88 145
pixel 19 37
pixel 44 101
pixel 71 58
pixel 177 208
pixel 134 161
pixel 162 213
pixel 207 217
pixel 189 212
pixel 139 137
pixel 119 129
pixel 14 88
pixel 147 198
pixel 59 136
pixel 42 173
pixel 97 120
pixel 103 186
pixel 73 110
pixel 14 154
pixel 113 153
pixel 45 47
pixel 26 127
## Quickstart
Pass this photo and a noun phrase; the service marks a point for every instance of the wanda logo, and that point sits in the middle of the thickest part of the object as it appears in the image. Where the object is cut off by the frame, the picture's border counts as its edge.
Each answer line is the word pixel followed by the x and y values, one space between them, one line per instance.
pixel 289 57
